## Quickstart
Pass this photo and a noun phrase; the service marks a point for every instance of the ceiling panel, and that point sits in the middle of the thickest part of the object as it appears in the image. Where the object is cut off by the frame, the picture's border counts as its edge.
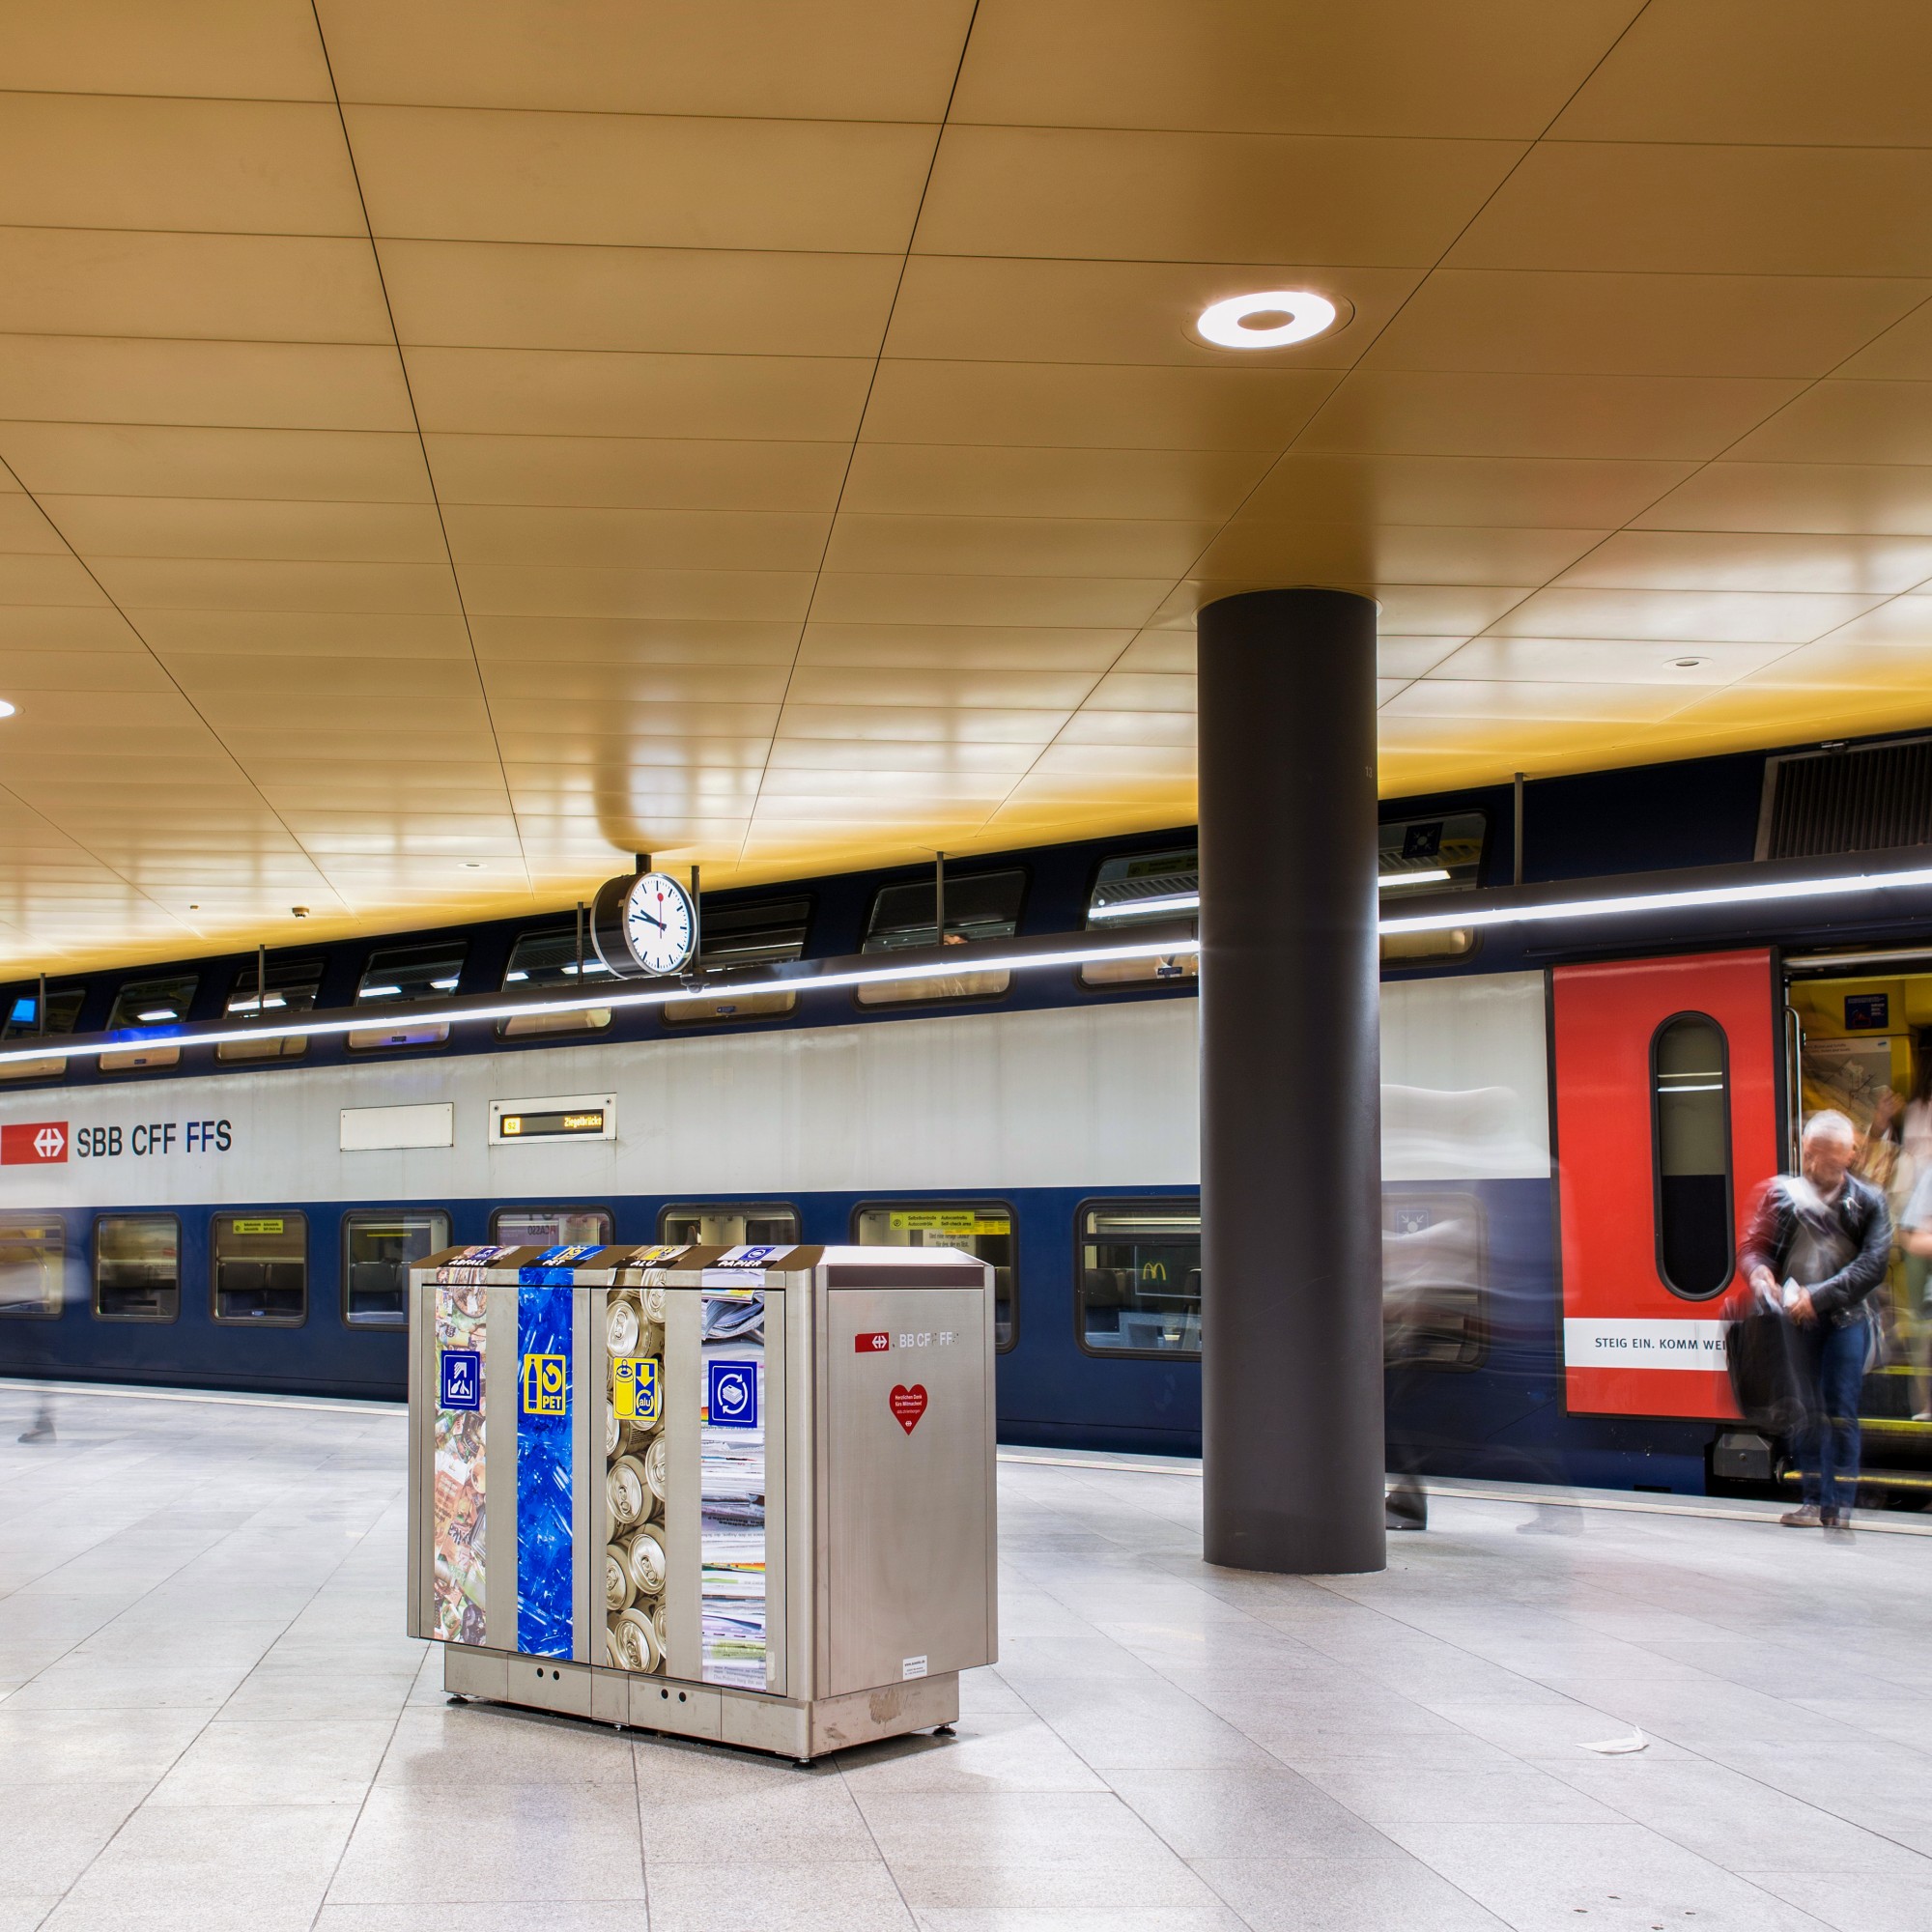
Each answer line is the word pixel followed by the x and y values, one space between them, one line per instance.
pixel 570 392
pixel 1880 499
pixel 266 49
pixel 1541 492
pixel 109 160
pixel 873 60
pixel 148 460
pixel 1042 405
pixel 678 301
pixel 1402 66
pixel 1643 324
pixel 248 527
pixel 952 479
pixel 61 281
pixel 1741 71
pixel 1119 195
pixel 1663 208
pixel 648 181
pixel 638 473
pixel 1456 413
pixel 646 486
pixel 639 539
pixel 232 385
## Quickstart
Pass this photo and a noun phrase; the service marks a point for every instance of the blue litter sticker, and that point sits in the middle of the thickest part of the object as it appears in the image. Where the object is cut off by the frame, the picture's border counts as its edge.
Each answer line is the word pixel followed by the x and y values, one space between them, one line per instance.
pixel 571 1257
pixel 731 1395
pixel 461 1378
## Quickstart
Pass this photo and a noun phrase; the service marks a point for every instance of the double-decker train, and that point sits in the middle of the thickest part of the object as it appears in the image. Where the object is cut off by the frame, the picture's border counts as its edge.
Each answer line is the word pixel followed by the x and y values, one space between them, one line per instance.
pixel 215 1173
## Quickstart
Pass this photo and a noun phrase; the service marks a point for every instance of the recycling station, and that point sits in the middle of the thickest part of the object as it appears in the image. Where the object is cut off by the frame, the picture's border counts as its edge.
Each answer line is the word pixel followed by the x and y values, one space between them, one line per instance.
pixel 743 1494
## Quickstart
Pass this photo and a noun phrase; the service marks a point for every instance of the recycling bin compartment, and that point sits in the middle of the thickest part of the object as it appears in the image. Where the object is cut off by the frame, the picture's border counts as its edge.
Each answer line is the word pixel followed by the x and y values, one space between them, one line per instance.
pixel 741 1493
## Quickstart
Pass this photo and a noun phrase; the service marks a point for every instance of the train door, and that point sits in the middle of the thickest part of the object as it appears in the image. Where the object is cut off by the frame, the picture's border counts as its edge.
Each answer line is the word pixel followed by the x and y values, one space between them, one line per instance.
pixel 1860 1037
pixel 1666 1120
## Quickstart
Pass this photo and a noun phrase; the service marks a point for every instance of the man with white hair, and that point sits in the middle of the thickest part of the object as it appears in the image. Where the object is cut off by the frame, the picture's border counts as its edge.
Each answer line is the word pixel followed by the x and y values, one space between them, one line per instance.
pixel 1819 1243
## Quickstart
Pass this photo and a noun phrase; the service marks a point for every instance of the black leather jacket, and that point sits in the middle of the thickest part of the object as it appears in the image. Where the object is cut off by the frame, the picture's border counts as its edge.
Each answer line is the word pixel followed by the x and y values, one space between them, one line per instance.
pixel 1861 1212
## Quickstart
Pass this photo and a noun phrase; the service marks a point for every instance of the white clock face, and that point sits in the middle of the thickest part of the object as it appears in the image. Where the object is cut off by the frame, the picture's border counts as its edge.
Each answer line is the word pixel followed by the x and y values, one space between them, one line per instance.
pixel 658 925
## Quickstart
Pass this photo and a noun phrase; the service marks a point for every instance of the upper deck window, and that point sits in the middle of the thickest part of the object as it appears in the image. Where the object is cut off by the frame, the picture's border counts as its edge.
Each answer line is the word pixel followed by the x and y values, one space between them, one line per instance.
pixel 554 959
pixel 152 1002
pixel 1143 889
pixel 761 932
pixel 24 1012
pixel 1442 854
pixel 398 975
pixel 159 1004
pixel 286 986
pixel 978 907
pixel 405 976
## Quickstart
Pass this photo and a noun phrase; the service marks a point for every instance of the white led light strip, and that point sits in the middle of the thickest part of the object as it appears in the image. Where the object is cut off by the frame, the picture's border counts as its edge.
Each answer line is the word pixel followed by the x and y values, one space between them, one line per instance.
pixel 58 1045
pixel 1767 891
pixel 54 1045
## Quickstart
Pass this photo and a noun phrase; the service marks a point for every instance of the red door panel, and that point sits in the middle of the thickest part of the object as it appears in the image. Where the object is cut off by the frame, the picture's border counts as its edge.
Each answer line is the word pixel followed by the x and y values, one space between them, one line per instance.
pixel 1631 1346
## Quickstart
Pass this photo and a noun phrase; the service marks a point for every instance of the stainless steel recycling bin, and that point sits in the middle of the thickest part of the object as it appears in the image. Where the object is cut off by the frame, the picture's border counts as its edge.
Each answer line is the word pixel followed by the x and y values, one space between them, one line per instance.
pixel 739 1494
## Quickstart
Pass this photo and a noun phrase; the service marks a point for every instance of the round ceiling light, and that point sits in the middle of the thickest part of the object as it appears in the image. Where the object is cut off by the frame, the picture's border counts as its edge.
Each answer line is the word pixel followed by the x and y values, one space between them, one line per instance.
pixel 1687 664
pixel 1269 319
pixel 5 709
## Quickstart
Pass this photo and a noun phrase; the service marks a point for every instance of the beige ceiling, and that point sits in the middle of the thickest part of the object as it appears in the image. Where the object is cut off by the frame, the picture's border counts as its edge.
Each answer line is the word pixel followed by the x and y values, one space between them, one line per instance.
pixel 451 444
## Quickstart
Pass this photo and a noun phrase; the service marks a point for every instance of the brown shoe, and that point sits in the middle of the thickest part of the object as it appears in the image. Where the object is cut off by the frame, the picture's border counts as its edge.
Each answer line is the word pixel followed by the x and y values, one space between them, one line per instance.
pixel 1804 1517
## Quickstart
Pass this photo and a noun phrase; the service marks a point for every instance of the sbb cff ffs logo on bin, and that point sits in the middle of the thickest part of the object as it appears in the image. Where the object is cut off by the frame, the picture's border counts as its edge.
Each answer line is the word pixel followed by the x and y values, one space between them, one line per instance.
pixel 31 1143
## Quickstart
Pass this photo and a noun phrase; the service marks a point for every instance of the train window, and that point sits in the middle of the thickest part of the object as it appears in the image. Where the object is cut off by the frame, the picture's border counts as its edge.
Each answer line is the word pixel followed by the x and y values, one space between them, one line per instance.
pixel 1690 1140
pixel 978 905
pixel 144 1004
pixel 551 1227
pixel 1142 889
pixel 23 1022
pixel 1443 854
pixel 379 1248
pixel 402 976
pixel 33 1264
pixel 982 1228
pixel 764 932
pixel 548 960
pixel 1140 1278
pixel 286 986
pixel 136 1267
pixel 260 1265
pixel 731 1224
pixel 1432 1279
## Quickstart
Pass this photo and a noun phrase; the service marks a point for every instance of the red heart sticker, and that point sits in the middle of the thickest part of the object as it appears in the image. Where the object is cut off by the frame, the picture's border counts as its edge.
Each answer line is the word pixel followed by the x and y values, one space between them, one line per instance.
pixel 908 1405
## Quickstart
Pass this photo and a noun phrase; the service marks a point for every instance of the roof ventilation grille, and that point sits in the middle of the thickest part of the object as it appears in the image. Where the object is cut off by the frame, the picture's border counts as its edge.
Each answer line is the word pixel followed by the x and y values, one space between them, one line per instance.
pixel 1818 803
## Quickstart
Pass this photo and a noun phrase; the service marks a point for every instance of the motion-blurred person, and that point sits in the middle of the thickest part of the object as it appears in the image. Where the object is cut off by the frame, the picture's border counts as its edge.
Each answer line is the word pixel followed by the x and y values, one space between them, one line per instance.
pixel 42 1430
pixel 1819 1244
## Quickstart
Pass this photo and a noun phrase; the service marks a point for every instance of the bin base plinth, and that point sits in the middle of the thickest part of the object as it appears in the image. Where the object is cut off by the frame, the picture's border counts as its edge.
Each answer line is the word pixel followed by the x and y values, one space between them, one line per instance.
pixel 786 1726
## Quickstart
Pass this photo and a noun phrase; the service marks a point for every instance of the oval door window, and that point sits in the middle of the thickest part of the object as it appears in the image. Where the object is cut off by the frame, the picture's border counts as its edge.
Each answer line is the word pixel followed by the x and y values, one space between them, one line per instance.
pixel 1692 1147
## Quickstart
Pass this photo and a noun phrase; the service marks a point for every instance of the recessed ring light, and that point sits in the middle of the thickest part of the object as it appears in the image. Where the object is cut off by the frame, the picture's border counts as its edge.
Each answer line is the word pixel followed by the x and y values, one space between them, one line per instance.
pixel 5 709
pixel 1267 321
pixel 1687 664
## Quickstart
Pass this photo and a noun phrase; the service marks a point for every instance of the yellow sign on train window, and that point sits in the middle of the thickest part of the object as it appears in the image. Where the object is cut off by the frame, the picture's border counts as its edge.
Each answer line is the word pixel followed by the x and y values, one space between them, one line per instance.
pixel 273 1225
pixel 933 1221
pixel 637 1388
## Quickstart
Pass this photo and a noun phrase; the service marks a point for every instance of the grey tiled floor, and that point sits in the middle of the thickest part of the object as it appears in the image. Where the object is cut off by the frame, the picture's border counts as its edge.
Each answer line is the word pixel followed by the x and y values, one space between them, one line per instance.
pixel 210 1720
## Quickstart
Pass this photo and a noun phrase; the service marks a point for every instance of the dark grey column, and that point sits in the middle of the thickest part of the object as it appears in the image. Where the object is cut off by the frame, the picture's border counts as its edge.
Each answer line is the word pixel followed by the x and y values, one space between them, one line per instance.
pixel 1290 1155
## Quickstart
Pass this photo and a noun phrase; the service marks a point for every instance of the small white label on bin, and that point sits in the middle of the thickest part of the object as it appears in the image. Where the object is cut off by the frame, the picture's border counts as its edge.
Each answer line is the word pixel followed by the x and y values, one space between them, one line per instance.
pixel 913 1666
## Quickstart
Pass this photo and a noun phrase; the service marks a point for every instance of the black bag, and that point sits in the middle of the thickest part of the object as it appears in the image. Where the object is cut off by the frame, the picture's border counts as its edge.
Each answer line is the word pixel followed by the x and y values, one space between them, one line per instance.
pixel 1764 1355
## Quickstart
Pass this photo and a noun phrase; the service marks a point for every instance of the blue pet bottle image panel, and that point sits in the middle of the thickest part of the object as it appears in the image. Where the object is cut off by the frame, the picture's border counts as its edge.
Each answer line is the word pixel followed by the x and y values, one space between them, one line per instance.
pixel 544 1540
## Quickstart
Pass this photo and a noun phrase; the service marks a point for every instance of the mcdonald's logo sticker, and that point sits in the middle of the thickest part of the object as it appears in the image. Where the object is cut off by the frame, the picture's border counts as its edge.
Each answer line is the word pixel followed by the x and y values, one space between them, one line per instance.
pixel 1154 1270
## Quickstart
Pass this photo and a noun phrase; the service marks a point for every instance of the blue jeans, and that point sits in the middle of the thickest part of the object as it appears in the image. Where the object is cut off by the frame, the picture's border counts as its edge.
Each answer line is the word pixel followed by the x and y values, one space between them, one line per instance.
pixel 1828 1444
